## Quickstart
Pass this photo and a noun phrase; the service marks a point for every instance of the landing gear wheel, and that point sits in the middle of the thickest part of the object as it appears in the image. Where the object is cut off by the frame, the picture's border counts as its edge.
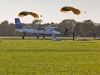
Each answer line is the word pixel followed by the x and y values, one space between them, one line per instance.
pixel 43 36
pixel 22 37
pixel 37 37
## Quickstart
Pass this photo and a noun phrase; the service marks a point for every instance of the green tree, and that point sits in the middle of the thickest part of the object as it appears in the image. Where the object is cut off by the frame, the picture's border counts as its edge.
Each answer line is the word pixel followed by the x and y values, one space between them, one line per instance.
pixel 87 28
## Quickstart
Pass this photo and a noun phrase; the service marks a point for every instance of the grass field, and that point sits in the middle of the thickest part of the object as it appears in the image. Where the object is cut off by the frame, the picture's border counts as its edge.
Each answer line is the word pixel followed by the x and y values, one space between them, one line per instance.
pixel 46 57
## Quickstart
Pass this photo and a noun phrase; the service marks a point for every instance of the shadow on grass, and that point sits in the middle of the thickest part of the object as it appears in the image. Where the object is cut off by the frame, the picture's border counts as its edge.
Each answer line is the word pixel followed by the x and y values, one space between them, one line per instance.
pixel 82 42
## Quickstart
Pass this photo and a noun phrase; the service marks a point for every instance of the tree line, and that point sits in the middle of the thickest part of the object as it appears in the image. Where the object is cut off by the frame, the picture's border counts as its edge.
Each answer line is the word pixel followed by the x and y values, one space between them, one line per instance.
pixel 84 28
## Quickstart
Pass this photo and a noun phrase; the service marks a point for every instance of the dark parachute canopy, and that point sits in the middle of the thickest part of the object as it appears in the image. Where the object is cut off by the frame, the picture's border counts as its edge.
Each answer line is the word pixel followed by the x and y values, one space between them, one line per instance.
pixel 68 8
pixel 25 13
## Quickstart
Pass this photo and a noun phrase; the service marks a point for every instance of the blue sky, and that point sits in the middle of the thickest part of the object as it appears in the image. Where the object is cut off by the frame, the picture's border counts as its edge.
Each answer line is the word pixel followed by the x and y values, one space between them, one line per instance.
pixel 50 10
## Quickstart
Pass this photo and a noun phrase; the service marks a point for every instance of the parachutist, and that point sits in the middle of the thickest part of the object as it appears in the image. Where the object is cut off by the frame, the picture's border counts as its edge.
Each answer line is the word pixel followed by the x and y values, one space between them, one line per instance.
pixel 74 35
pixel 94 35
pixel 25 13
pixel 68 8
pixel 66 30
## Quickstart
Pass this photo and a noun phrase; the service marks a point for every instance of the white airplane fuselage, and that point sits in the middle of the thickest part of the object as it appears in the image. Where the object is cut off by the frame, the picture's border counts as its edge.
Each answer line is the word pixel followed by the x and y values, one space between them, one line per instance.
pixel 46 31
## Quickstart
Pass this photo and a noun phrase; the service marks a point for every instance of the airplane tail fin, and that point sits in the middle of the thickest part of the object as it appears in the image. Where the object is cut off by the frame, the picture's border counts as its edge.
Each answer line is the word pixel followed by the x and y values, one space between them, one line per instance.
pixel 18 24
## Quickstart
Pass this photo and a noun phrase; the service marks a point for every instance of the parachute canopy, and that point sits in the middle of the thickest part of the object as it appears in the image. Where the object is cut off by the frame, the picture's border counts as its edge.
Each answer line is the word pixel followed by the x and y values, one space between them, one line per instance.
pixel 68 8
pixel 25 13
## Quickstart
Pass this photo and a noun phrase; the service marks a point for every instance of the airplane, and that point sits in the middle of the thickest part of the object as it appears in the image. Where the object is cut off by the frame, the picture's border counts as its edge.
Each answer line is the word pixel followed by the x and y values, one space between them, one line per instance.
pixel 40 31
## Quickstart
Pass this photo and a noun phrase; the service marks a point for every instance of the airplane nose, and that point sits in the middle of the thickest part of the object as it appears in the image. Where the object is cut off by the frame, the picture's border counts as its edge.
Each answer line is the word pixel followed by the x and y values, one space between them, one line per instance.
pixel 58 32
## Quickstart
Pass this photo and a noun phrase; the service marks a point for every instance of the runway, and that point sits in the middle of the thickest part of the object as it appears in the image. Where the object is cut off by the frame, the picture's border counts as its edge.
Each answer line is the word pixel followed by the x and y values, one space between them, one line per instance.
pixel 40 38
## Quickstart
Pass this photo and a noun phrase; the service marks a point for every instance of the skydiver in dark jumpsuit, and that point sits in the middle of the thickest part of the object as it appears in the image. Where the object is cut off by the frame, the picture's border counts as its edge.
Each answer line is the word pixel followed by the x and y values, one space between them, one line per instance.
pixel 24 33
pixel 74 35
pixel 94 35
pixel 66 30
